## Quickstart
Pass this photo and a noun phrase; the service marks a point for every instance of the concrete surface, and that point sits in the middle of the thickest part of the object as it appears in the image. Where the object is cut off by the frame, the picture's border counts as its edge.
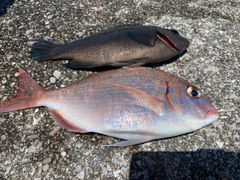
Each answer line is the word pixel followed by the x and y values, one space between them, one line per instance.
pixel 32 146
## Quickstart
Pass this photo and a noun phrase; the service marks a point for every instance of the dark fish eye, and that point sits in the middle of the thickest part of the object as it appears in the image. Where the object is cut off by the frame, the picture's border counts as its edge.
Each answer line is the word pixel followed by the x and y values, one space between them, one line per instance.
pixel 194 92
pixel 174 31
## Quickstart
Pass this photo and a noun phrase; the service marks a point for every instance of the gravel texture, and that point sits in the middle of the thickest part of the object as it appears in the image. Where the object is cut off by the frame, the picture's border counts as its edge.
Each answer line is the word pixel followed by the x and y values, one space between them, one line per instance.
pixel 33 146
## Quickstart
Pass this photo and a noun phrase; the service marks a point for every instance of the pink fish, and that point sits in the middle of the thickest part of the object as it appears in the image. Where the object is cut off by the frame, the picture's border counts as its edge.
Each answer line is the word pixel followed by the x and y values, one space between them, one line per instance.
pixel 135 104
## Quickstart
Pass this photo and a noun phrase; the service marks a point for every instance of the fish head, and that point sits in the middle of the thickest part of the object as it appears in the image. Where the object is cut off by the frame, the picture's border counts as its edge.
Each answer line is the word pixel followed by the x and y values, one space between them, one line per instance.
pixel 172 39
pixel 189 103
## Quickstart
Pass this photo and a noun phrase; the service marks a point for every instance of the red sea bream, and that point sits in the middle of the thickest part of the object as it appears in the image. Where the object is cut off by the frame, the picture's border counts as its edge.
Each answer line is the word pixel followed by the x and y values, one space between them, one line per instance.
pixel 134 104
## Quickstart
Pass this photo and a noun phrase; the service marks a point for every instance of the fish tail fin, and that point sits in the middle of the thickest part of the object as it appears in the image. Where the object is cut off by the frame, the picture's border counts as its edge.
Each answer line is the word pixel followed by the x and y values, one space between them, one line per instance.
pixel 43 50
pixel 29 92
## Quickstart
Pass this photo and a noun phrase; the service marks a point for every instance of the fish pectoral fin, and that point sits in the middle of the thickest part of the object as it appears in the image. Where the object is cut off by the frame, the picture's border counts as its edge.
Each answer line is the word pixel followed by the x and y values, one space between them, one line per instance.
pixel 130 142
pixel 143 38
pixel 142 98
pixel 64 123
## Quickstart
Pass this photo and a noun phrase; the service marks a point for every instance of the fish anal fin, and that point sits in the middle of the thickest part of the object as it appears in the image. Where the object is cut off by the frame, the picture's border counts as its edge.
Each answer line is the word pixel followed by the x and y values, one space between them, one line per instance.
pixel 130 142
pixel 133 62
pixel 142 98
pixel 142 38
pixel 64 123
pixel 78 64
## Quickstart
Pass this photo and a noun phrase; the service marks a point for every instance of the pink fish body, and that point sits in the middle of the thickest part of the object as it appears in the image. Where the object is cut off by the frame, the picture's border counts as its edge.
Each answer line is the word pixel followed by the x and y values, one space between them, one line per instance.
pixel 134 104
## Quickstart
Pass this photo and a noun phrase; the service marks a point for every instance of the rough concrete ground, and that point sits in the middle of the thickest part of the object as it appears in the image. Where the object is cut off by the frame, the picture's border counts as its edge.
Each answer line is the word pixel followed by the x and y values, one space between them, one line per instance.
pixel 32 146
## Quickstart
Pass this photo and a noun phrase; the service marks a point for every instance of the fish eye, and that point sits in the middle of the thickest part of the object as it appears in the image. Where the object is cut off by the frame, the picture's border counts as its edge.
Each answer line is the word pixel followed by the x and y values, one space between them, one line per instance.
pixel 194 92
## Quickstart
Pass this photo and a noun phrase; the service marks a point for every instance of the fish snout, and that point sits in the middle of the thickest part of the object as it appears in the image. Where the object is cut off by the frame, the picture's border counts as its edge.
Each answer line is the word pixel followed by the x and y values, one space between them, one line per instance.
pixel 211 113
pixel 182 45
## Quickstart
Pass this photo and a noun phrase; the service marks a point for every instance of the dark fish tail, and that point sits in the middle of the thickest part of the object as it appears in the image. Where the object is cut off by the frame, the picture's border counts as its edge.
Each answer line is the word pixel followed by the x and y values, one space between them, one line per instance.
pixel 43 50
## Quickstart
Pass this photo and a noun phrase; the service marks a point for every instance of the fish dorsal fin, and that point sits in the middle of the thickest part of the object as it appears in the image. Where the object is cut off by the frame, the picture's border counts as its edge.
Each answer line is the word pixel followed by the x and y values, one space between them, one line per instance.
pixel 142 98
pixel 143 38
pixel 65 123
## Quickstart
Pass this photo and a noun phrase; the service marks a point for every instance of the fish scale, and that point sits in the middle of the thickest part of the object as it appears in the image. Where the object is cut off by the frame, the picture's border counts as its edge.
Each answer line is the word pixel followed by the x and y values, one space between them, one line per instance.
pixel 134 104
pixel 127 46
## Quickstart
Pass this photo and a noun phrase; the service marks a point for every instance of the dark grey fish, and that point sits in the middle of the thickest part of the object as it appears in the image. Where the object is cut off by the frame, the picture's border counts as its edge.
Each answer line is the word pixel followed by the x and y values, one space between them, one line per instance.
pixel 128 46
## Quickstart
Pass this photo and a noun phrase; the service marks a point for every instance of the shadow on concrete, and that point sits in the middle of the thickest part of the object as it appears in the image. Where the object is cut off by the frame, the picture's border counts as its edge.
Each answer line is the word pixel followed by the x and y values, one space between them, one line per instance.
pixel 202 164
pixel 4 5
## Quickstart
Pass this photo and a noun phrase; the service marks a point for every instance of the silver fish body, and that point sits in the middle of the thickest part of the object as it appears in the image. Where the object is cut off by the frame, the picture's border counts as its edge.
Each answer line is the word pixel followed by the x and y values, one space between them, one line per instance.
pixel 128 46
pixel 134 104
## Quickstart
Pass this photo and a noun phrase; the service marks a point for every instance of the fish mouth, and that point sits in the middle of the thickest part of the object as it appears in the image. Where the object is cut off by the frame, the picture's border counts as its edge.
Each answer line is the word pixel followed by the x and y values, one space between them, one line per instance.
pixel 212 112
pixel 167 41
